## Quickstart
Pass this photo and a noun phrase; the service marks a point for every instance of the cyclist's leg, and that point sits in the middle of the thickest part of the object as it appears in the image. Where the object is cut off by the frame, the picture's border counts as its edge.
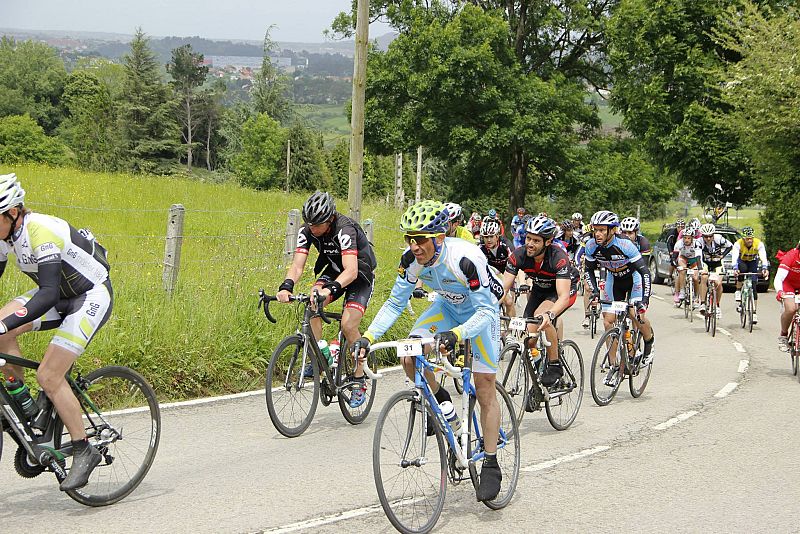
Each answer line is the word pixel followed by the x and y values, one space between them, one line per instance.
pixel 753 266
pixel 607 293
pixel 789 308
pixel 356 300
pixel 8 341
pixel 703 287
pixel 437 318
pixel 485 355
pixel 636 293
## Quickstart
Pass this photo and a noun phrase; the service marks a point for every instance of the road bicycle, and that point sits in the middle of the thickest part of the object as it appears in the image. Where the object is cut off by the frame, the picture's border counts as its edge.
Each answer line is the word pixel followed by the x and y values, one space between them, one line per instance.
pixel 292 398
pixel 715 209
pixel 122 420
pixel 688 292
pixel 794 335
pixel 747 304
pixel 618 355
pixel 711 307
pixel 411 469
pixel 521 372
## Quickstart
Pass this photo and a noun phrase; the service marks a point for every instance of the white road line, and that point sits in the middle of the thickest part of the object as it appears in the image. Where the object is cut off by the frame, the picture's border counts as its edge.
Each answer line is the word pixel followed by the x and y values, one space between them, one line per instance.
pixel 568 458
pixel 743 365
pixel 739 346
pixel 675 420
pixel 657 297
pixel 326 520
pixel 724 331
pixel 724 392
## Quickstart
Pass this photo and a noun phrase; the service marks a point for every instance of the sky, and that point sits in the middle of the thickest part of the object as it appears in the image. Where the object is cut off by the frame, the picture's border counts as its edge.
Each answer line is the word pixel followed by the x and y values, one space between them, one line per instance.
pixel 294 20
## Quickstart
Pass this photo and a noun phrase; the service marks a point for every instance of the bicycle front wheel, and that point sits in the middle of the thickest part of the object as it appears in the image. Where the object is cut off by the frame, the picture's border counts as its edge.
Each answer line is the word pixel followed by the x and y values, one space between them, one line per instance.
pixel 291 398
pixel 713 314
pixel 639 375
pixel 750 307
pixel 514 377
pixel 347 365
pixel 123 421
pixel 411 483
pixel 567 393
pixel 600 371
pixel 508 447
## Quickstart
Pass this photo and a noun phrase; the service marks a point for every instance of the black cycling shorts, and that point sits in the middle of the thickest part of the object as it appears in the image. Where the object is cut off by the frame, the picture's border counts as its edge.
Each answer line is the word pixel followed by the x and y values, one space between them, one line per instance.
pixel 357 294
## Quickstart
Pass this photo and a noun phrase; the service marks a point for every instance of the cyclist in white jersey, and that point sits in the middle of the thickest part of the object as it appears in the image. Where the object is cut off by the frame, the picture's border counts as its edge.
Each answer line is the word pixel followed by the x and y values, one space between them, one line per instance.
pixel 74 296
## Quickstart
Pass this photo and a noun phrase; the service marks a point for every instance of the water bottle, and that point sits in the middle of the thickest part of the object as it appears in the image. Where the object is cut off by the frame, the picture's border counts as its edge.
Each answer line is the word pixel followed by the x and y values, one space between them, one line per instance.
pixel 41 421
pixel 22 395
pixel 334 348
pixel 449 412
pixel 326 351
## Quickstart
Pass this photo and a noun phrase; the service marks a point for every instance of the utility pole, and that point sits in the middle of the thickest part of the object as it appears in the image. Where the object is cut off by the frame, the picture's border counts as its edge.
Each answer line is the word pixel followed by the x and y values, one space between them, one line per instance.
pixel 419 175
pixel 356 174
pixel 399 197
pixel 288 158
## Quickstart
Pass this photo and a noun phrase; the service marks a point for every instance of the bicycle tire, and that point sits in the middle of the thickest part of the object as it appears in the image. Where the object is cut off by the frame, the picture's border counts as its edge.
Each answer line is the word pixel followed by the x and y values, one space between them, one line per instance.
pixel 750 306
pixel 713 314
pixel 707 314
pixel 600 365
pixel 508 457
pixel 743 311
pixel 357 415
pixel 407 428
pixel 514 377
pixel 128 407
pixel 561 419
pixel 639 376
pixel 593 324
pixel 288 371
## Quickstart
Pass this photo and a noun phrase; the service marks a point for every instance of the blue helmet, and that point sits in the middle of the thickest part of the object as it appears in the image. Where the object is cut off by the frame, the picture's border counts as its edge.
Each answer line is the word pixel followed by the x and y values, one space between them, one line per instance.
pixel 543 226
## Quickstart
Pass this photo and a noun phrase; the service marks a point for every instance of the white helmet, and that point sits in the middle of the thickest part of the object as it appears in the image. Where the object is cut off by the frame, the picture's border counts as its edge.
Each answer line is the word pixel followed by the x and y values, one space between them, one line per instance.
pixel 11 192
pixel 577 216
pixel 629 224
pixel 453 210
pixel 490 227
pixel 605 218
pixel 708 229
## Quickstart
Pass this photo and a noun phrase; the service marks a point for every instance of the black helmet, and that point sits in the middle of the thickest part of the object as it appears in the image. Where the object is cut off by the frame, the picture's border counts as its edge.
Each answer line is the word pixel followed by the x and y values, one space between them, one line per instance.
pixel 319 208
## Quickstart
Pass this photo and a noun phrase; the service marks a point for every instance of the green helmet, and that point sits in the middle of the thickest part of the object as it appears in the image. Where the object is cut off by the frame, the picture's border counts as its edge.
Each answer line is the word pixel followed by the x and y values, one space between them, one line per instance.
pixel 748 231
pixel 426 216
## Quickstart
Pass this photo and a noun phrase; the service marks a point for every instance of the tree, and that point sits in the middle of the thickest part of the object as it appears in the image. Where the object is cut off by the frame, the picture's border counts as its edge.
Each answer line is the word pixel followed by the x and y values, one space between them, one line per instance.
pixel 22 140
pixel 31 81
pixel 188 73
pixel 270 87
pixel 212 112
pixel 147 121
pixel 258 163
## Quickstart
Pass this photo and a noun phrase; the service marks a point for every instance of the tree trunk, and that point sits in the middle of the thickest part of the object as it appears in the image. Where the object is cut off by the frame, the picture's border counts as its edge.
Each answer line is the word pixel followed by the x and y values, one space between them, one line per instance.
pixel 519 179
pixel 208 144
pixel 188 132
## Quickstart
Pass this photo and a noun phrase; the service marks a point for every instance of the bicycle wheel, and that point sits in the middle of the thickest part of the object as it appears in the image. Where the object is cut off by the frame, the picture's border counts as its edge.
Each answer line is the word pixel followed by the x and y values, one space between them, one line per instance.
pixel 601 392
pixel 690 298
pixel 639 375
pixel 514 377
pixel 347 366
pixel 750 306
pixel 411 492
pixel 291 398
pixel 686 305
pixel 508 456
pixel 707 314
pixel 743 310
pixel 593 324
pixel 123 421
pixel 713 313
pixel 567 393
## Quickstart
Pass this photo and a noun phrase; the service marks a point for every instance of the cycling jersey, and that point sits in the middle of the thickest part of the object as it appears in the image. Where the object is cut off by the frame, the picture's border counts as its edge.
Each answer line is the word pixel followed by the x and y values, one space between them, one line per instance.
pixel 519 236
pixel 744 253
pixel 621 258
pixel 467 297
pixel 466 235
pixel 692 253
pixel 345 237
pixel 72 273
pixel 643 244
pixel 554 265
pixel 715 251
pixel 498 256
pixel 787 277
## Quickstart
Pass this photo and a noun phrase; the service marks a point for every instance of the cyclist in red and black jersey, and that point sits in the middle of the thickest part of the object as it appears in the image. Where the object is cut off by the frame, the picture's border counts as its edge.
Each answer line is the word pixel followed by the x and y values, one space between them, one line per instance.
pixel 553 284
pixel 345 266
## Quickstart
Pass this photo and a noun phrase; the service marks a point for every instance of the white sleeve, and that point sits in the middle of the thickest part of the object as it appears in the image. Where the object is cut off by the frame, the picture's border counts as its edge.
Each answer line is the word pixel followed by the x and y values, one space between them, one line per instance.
pixel 735 252
pixel 780 276
pixel 762 255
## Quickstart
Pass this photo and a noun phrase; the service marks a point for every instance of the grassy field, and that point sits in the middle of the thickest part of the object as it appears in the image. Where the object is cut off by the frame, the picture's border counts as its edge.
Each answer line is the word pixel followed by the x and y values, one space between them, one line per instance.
pixel 208 337
pixel 330 119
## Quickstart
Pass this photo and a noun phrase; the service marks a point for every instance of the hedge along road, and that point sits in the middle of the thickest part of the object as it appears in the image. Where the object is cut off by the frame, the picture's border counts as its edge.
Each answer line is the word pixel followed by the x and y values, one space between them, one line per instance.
pixel 694 452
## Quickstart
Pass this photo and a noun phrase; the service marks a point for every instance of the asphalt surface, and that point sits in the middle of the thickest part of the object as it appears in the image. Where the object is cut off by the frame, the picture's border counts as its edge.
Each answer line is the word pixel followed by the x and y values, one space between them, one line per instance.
pixel 683 457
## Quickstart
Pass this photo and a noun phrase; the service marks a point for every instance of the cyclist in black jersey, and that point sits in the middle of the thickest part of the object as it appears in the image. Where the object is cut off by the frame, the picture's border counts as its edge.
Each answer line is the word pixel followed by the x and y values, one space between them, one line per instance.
pixel 630 227
pixel 73 296
pixel 345 266
pixel 553 286
pixel 497 251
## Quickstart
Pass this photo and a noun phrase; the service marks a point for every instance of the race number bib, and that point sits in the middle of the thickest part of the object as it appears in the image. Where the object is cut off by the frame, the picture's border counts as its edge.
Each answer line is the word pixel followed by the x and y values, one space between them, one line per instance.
pixel 618 306
pixel 409 348
pixel 517 327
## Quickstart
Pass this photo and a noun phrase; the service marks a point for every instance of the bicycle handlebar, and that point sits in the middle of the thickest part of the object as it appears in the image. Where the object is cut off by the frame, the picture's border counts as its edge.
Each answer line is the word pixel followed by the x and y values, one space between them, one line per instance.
pixel 265 299
pixel 536 320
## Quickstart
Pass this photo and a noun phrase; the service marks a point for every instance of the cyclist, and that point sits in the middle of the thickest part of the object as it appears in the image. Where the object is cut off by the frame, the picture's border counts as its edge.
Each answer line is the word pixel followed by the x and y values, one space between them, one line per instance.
pixel 630 228
pixel 553 285
pixel 465 307
pixel 748 252
pixel 627 278
pixel 454 228
pixel 345 266
pixel 519 235
pixel 715 247
pixel 689 252
pixel 517 221
pixel 567 237
pixel 577 224
pixel 497 251
pixel 492 215
pixel 580 264
pixel 787 281
pixel 74 296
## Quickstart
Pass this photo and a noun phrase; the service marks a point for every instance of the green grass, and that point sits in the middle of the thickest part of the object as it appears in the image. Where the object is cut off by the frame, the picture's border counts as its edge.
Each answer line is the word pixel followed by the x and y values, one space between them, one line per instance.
pixel 738 219
pixel 330 119
pixel 208 337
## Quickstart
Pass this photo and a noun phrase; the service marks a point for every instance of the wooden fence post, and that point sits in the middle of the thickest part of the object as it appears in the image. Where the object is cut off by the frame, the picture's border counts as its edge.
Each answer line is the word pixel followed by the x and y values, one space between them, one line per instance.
pixel 369 230
pixel 292 229
pixel 172 247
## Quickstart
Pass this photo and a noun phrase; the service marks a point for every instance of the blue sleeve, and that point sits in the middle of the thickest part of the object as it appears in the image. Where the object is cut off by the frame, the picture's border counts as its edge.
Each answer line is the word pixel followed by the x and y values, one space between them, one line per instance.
pixel 392 308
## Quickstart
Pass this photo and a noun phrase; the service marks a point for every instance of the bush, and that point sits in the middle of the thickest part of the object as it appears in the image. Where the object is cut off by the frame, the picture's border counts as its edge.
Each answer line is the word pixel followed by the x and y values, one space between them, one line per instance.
pixel 22 140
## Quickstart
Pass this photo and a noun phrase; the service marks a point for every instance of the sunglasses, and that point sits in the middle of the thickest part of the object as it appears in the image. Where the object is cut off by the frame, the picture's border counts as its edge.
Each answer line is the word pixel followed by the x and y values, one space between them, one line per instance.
pixel 417 239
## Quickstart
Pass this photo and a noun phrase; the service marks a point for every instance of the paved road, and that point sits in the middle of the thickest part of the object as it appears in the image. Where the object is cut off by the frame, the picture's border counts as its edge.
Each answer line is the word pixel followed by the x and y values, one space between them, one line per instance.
pixel 723 464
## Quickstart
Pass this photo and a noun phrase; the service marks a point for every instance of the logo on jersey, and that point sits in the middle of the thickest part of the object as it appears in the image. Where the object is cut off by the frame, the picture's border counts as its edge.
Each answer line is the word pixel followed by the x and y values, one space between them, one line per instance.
pixel 474 284
pixel 302 241
pixel 345 241
pixel 561 263
pixel 433 329
pixel 22 312
pixel 401 271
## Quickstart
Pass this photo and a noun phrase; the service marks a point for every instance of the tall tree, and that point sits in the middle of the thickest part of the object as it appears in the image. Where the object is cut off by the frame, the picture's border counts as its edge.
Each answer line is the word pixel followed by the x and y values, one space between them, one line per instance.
pixel 270 87
pixel 212 112
pixel 188 74
pixel 258 163
pixel 147 120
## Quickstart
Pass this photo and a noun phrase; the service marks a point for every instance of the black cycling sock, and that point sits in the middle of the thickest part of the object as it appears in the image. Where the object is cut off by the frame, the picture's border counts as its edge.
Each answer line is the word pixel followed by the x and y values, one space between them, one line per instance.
pixel 442 395
pixel 80 444
pixel 490 460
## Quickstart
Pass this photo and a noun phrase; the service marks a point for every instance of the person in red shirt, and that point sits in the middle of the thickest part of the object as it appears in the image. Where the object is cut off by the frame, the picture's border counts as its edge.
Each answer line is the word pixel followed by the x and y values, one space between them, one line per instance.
pixel 787 284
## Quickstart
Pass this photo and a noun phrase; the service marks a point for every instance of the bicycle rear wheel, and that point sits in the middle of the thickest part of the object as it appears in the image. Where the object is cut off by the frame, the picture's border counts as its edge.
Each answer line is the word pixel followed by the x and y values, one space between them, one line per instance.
pixel 602 393
pixel 794 346
pixel 713 312
pixel 690 295
pixel 411 492
pixel 291 398
pixel 567 393
pixel 347 367
pixel 508 456
pixel 123 421
pixel 514 377
pixel 707 314
pixel 639 375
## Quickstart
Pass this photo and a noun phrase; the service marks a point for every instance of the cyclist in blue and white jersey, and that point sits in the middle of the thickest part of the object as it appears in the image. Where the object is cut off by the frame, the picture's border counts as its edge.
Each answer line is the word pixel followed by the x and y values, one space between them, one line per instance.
pixel 627 276
pixel 465 307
